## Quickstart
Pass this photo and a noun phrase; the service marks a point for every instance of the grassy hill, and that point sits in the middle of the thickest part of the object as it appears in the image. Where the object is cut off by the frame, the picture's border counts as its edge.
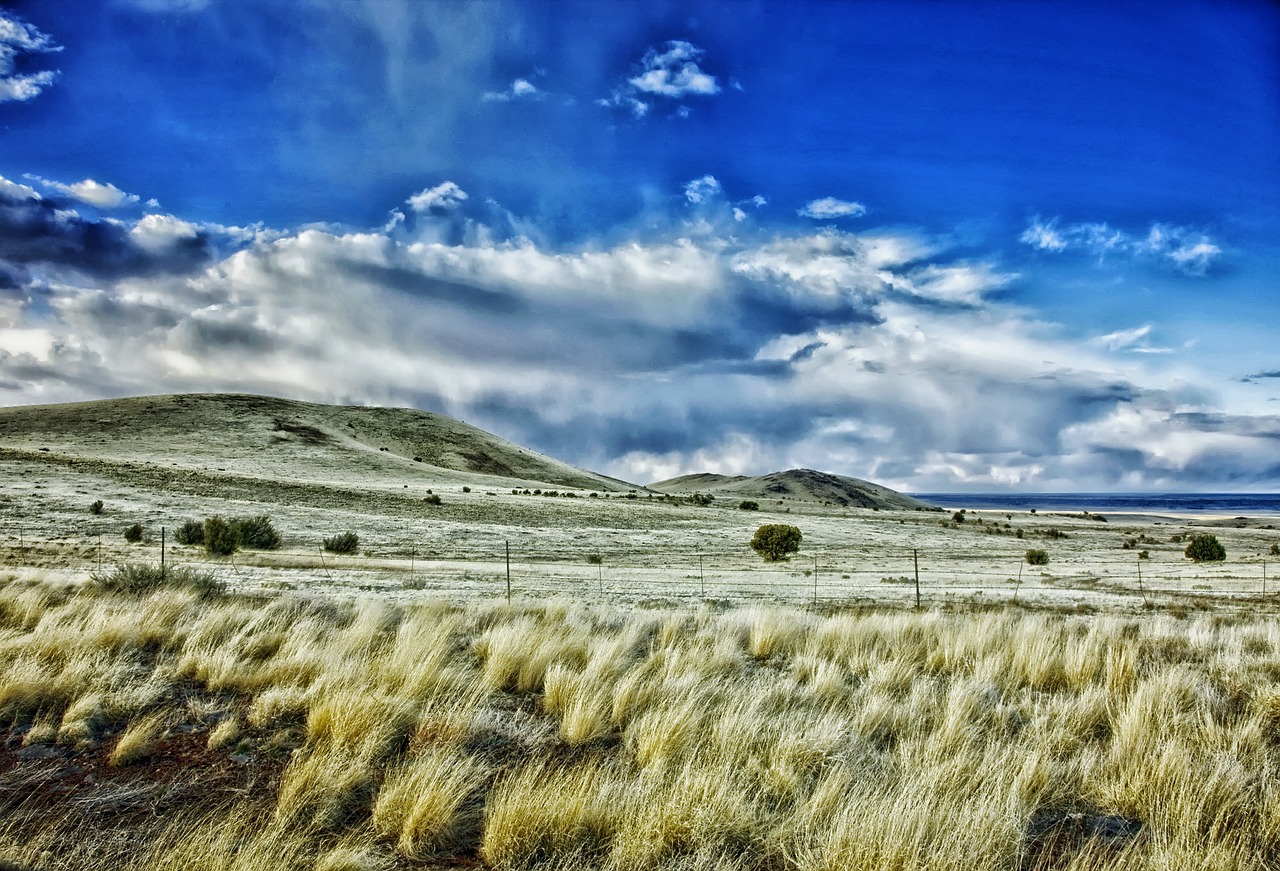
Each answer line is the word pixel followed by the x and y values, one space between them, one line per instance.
pixel 283 440
pixel 803 485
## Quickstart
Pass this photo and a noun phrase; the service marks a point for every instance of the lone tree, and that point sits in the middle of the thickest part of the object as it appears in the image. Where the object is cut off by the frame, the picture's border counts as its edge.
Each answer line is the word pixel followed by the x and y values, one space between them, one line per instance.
pixel 774 541
pixel 1205 548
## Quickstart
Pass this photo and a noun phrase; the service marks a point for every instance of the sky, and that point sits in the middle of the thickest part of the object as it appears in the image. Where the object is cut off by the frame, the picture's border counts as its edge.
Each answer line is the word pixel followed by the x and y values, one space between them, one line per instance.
pixel 944 246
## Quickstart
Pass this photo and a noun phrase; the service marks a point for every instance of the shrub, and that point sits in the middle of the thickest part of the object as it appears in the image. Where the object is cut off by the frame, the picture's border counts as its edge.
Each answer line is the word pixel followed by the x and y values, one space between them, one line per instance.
pixel 433 499
pixel 133 534
pixel 958 517
pixel 190 532
pixel 595 559
pixel 774 541
pixel 343 542
pixel 256 532
pixel 1275 550
pixel 749 505
pixel 140 578
pixel 466 489
pixel 1144 554
pixel 1205 548
pixel 1036 557
pixel 96 507
pixel 220 537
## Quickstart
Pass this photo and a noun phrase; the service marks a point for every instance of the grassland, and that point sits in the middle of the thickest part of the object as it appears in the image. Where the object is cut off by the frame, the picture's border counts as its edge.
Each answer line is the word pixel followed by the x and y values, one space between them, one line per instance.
pixel 187 729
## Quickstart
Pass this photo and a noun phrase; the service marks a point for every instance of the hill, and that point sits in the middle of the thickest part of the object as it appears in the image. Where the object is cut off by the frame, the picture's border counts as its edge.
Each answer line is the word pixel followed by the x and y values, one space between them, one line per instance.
pixel 280 439
pixel 804 485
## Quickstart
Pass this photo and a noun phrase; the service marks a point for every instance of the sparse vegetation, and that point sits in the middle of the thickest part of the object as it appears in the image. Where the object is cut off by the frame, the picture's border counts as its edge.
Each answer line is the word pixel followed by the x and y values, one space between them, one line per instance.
pixel 133 534
pixel 96 507
pixel 749 505
pixel 1204 548
pixel 775 541
pixel 343 542
pixel 142 578
pixel 433 499
pixel 1037 557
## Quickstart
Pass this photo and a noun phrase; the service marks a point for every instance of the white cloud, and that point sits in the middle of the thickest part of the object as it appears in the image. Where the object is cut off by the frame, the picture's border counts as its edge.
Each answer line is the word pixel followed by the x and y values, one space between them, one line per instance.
pixel 16 191
pixel 1182 248
pixel 156 232
pixel 443 197
pixel 674 72
pixel 95 193
pixel 702 189
pixel 520 89
pixel 828 208
pixel 19 38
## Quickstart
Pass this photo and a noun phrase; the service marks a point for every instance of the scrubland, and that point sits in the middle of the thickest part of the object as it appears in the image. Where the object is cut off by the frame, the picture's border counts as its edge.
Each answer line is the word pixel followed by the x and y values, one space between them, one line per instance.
pixel 183 728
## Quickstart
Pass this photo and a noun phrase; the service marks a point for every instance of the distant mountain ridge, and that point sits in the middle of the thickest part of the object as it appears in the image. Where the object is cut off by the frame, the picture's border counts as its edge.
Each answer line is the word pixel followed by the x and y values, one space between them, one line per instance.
pixel 286 439
pixel 798 484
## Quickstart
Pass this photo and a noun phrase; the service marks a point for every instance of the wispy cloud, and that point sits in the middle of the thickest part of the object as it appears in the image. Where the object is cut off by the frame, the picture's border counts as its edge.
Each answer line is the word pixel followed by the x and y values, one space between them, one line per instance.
pixel 443 197
pixel 1182 248
pixel 1134 340
pixel 828 208
pixel 17 39
pixel 702 189
pixel 520 89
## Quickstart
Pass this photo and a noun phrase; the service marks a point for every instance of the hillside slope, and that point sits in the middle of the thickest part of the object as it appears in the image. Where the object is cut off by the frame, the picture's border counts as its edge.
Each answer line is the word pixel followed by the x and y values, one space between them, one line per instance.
pixel 804 485
pixel 281 439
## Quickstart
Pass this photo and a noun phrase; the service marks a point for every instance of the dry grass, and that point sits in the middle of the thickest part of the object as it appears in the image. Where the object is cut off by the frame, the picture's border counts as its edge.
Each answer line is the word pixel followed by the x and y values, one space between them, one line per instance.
pixel 562 736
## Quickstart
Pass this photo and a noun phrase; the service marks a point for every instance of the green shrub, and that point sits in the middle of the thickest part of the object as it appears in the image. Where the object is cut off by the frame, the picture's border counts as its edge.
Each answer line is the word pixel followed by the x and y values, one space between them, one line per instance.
pixel 220 537
pixel 1205 548
pixel 256 532
pixel 1036 557
pixel 190 532
pixel 595 559
pixel 958 517
pixel 96 507
pixel 433 499
pixel 133 534
pixel 140 578
pixel 1275 550
pixel 343 542
pixel 774 541
pixel 466 489
pixel 749 505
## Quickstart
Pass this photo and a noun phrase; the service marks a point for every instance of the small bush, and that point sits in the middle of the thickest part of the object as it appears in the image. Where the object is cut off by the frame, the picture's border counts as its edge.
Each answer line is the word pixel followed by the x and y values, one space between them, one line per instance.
pixel 749 505
pixel 1036 557
pixel 256 532
pixel 96 507
pixel 343 542
pixel 220 537
pixel 1205 548
pixel 958 517
pixel 1144 554
pixel 1275 550
pixel 433 499
pixel 190 532
pixel 133 534
pixel 595 559
pixel 774 541
pixel 141 578
pixel 466 489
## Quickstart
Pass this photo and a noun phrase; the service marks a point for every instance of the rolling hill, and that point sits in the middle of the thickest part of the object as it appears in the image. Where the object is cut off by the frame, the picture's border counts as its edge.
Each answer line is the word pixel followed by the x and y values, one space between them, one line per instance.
pixel 804 485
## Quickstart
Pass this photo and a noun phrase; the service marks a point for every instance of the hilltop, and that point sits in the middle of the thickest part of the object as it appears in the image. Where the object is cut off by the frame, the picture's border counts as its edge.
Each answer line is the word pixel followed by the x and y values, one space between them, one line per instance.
pixel 275 439
pixel 804 485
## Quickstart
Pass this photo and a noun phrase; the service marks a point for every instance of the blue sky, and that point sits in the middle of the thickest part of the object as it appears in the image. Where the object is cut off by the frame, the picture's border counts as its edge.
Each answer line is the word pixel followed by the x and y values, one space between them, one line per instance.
pixel 942 245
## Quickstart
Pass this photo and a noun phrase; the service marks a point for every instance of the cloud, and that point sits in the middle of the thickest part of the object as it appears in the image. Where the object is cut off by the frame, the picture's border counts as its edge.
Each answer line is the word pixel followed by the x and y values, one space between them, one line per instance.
pixel 166 7
pixel 94 193
pixel 1260 376
pixel 674 73
pixel 1181 248
pixel 520 89
pixel 445 196
pixel 829 208
pixel 702 189
pixel 887 354
pixel 18 39
pixel 1133 340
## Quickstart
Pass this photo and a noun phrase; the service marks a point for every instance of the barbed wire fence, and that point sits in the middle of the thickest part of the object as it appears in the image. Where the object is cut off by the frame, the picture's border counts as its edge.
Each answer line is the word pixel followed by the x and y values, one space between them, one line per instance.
pixel 662 574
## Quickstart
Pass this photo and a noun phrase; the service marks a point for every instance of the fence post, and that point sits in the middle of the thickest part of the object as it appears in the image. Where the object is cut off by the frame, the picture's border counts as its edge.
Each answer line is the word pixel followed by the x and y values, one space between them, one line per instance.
pixel 702 581
pixel 99 553
pixel 1141 591
pixel 815 580
pixel 915 561
pixel 162 543
pixel 508 572
pixel 1264 577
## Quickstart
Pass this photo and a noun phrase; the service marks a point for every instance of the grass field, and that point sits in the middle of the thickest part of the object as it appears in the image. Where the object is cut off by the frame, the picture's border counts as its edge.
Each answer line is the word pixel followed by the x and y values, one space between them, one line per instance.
pixel 189 729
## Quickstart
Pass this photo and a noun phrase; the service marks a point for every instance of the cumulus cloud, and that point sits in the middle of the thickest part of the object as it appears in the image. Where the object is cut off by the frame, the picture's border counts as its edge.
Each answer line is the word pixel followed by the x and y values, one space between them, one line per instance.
pixel 443 197
pixel 520 89
pixel 1181 248
pixel 829 208
pixel 672 74
pixel 886 354
pixel 102 195
pixel 17 39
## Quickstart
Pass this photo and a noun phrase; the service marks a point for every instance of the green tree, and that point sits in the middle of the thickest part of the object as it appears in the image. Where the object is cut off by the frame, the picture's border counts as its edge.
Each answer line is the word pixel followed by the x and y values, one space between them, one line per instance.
pixel 220 537
pixel 774 541
pixel 1205 548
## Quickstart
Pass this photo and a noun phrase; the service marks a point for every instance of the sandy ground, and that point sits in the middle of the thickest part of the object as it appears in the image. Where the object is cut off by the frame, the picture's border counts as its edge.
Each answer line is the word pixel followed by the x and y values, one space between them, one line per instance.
pixel 652 553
